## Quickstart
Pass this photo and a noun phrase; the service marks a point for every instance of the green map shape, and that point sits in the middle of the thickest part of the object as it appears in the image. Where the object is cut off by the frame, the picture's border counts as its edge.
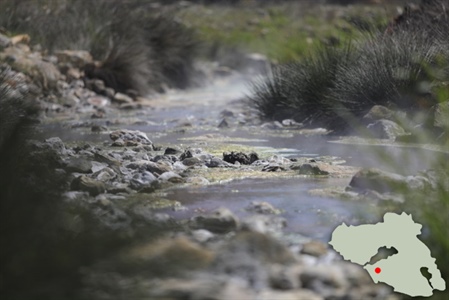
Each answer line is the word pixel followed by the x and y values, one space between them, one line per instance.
pixel 402 271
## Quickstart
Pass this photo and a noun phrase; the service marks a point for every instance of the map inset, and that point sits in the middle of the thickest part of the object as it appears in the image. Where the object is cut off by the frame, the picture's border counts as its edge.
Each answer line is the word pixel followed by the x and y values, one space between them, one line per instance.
pixel 402 270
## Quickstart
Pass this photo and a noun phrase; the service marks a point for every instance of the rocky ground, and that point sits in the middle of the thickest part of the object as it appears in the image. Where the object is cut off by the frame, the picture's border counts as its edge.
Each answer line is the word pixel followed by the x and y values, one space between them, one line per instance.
pixel 115 188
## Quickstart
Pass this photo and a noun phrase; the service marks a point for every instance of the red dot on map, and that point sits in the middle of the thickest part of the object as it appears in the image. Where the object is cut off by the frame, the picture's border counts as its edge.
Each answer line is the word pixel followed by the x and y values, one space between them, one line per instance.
pixel 377 270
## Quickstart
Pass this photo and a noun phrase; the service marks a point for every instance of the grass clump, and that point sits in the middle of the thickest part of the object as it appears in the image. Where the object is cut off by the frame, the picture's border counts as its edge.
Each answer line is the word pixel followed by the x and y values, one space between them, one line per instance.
pixel 336 87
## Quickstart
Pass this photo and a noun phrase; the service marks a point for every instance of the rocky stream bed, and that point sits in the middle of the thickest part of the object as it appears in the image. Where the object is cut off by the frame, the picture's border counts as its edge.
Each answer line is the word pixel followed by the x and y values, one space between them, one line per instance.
pixel 207 201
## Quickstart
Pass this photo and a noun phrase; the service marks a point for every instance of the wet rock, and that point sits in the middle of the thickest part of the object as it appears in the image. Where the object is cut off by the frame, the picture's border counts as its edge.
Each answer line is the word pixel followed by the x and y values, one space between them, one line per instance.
pixel 79 165
pixel 314 248
pixel 171 177
pixel 74 58
pixel 242 158
pixel 130 137
pixel 262 208
pixel 87 184
pixel 222 220
pixel 385 129
pixel 378 180
pixel 197 181
pixel 122 98
pixel 311 169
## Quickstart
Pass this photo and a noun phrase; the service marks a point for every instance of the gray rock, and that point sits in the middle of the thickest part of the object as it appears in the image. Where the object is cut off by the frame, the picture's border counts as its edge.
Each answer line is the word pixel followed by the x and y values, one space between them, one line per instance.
pixel 192 161
pixel 385 129
pixel 202 235
pixel 79 165
pixel 378 180
pixel 221 220
pixel 171 177
pixel 87 184
pixel 197 181
pixel 262 208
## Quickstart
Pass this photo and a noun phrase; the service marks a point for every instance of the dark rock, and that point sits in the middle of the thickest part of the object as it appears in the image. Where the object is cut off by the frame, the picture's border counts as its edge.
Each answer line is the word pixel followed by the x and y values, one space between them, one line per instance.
pixel 223 124
pixel 242 158
pixel 87 184
pixel 172 150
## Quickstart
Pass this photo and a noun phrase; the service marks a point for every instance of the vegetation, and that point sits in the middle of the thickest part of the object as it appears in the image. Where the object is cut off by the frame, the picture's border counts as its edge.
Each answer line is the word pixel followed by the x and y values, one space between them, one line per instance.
pixel 140 47
pixel 335 87
pixel 283 31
